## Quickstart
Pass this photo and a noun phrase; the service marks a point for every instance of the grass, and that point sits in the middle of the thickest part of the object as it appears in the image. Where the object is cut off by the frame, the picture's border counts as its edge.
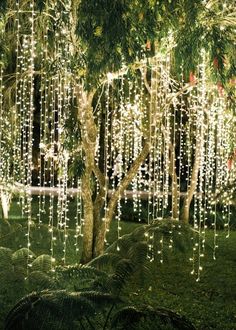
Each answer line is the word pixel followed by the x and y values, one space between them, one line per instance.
pixel 209 303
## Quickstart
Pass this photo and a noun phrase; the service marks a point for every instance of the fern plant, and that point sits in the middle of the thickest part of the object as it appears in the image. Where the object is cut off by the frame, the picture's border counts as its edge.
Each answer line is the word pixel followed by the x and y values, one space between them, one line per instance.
pixel 93 296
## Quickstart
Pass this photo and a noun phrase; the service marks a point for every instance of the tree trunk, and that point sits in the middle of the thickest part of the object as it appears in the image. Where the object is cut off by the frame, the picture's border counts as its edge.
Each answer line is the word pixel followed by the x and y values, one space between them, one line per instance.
pixel 89 136
pixel 193 183
pixel 5 200
pixel 100 238
pixel 174 190
pixel 94 226
pixel 87 253
pixel 172 173
pixel 175 196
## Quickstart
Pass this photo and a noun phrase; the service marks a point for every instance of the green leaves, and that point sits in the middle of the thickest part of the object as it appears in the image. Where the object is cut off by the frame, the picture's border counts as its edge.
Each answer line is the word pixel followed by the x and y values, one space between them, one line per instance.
pixel 149 318
pixel 21 257
pixel 5 258
pixel 112 34
pixel 43 263
pixel 115 33
pixel 77 167
pixel 95 294
pixel 40 5
pixel 3 6
pixel 202 29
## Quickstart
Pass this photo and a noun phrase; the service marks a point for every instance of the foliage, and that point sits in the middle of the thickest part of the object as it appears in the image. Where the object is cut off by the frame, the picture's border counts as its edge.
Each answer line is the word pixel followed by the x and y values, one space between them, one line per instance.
pixel 3 6
pixel 205 28
pixel 148 318
pixel 93 295
pixel 17 279
pixel 13 234
pixel 209 304
pixel 118 30
pixel 119 34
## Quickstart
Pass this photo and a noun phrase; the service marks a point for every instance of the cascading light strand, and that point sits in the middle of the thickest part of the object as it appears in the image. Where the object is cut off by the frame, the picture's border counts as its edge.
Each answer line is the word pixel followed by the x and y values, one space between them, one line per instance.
pixel 29 133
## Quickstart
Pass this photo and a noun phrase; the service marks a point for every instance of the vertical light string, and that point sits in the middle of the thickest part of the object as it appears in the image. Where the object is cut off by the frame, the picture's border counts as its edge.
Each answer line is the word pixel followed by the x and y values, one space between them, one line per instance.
pixel 5 151
pixel 167 84
pixel 200 136
pixel 17 130
pixel 134 110
pixel 157 140
pixel 193 133
pixel 1 124
pixel 231 170
pixel 218 151
pixel 173 157
pixel 51 163
pixel 141 126
pixel 151 136
pixel 224 169
pixel 63 104
pixel 78 216
pixel 44 110
pixel 127 135
pixel 152 132
pixel 120 154
pixel 167 142
pixel 106 156
pixel 98 150
pixel 189 141
pixel 180 155
pixel 23 56
pixel 211 161
pixel 30 117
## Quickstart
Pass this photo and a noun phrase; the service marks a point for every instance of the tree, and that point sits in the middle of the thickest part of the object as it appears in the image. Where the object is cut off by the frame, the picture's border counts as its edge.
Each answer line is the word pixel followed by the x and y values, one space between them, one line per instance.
pixel 79 46
pixel 114 43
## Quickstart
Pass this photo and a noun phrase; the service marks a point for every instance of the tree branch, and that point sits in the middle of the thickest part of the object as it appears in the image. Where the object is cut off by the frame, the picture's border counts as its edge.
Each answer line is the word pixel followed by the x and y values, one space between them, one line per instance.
pixel 126 180
pixel 144 75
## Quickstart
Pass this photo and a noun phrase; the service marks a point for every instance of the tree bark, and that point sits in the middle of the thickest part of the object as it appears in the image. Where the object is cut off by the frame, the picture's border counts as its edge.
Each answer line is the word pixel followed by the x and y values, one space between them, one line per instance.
pixel 99 241
pixel 89 136
pixel 175 192
pixel 87 253
pixel 5 200
pixel 193 182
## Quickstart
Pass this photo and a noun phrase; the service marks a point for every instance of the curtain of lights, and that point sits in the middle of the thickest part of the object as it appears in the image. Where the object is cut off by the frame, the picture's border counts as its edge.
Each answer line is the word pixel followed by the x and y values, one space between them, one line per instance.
pixel 187 124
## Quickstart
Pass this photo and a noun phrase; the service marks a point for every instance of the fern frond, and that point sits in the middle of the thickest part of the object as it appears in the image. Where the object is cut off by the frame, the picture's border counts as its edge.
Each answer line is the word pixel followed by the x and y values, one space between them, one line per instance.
pixel 54 305
pixel 79 272
pixel 20 257
pixel 131 316
pixel 5 258
pixel 38 280
pixel 139 232
pixel 126 316
pixel 138 253
pixel 126 241
pixel 72 303
pixel 105 261
pixel 100 299
pixel 20 311
pixel 42 263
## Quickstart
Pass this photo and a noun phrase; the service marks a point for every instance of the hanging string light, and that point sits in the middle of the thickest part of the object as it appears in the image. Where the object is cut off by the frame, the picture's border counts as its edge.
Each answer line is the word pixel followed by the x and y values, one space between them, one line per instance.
pixel 1 122
pixel 45 106
pixel 28 106
pixel 106 155
pixel 174 143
